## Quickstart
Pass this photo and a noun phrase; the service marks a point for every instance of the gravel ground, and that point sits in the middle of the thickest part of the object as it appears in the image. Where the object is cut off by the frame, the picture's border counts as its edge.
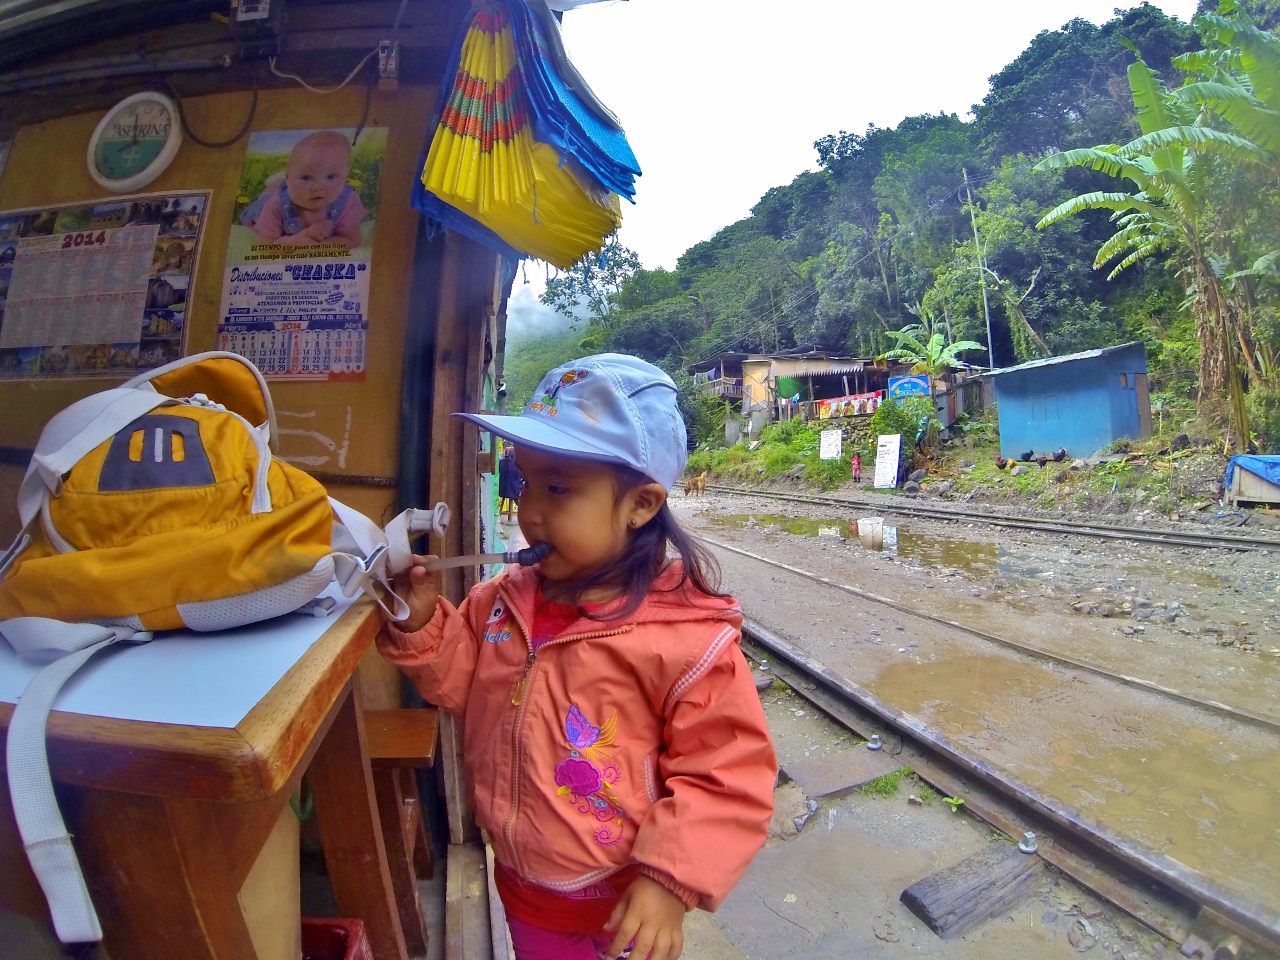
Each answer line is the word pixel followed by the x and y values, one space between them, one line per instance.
pixel 1198 788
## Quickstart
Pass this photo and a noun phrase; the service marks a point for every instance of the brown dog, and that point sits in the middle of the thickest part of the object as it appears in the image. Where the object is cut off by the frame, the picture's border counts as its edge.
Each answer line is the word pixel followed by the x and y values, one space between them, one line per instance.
pixel 696 486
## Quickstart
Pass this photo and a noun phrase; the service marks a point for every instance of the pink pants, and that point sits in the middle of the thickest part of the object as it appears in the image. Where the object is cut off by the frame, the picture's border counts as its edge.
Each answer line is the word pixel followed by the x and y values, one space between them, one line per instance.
pixel 534 943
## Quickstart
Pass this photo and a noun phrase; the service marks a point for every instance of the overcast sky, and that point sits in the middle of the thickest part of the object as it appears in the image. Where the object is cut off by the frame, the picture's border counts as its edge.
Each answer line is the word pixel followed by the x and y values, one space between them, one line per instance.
pixel 723 99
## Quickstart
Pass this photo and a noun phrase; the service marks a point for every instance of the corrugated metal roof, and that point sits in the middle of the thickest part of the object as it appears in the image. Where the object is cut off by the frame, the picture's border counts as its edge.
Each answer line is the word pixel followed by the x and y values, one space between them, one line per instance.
pixel 1050 361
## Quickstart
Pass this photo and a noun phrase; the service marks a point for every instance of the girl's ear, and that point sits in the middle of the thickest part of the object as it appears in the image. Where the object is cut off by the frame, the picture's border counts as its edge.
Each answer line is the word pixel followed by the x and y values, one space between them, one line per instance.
pixel 642 504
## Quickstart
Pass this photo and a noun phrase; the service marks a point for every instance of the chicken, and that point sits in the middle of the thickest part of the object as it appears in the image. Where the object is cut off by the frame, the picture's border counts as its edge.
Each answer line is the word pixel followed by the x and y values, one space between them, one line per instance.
pixel 1042 460
pixel 1001 462
pixel 1028 456
pixel 1060 455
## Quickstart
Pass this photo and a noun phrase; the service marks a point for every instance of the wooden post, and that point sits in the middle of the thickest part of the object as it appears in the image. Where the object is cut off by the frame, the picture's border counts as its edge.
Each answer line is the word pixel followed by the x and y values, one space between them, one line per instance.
pixel 347 814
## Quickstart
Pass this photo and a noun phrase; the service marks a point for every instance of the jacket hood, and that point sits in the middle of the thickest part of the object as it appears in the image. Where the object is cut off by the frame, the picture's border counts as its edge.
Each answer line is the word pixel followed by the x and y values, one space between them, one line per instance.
pixel 666 602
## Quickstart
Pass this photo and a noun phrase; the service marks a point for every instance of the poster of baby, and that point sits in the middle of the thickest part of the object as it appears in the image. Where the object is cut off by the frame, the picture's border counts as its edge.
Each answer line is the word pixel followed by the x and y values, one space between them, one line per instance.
pixel 296 291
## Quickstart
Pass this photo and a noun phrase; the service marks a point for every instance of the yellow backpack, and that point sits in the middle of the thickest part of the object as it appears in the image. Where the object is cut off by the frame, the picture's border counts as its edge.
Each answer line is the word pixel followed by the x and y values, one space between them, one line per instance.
pixel 157 505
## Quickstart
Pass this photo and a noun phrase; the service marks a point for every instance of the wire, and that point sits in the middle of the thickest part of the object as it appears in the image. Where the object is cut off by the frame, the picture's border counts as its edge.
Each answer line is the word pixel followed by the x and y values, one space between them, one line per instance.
pixel 350 76
pixel 210 144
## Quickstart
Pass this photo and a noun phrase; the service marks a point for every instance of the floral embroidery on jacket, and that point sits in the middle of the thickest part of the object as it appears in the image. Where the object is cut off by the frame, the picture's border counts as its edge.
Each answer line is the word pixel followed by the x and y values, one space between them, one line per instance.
pixel 587 776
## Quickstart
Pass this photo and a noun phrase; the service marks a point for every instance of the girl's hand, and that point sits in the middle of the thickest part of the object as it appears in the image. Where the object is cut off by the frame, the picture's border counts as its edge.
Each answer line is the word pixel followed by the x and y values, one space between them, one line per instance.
pixel 653 917
pixel 420 590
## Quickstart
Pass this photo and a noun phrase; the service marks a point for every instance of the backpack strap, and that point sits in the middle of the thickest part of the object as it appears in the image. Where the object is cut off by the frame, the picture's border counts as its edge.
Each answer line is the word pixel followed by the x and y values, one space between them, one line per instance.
pixel 72 434
pixel 35 808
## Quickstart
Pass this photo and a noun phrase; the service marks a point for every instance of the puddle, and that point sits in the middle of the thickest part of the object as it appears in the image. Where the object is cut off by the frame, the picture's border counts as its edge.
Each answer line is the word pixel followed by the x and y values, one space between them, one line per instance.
pixel 1208 801
pixel 962 694
pixel 979 559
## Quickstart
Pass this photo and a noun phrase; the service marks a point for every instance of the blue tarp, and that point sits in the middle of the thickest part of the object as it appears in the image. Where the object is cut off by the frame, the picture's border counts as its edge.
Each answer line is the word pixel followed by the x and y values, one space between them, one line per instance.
pixel 1268 468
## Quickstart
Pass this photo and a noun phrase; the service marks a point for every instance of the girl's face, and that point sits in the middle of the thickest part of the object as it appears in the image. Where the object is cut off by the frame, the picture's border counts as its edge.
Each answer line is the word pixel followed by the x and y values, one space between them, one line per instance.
pixel 576 506
pixel 316 175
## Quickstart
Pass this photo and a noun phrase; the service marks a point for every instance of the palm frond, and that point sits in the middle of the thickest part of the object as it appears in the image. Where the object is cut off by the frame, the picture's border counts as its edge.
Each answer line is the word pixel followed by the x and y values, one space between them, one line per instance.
pixel 1231 101
pixel 1101 158
pixel 1203 139
pixel 1093 201
pixel 1148 98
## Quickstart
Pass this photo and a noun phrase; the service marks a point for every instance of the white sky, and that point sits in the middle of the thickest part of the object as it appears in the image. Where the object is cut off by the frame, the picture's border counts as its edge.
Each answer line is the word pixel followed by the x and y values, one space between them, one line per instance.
pixel 722 99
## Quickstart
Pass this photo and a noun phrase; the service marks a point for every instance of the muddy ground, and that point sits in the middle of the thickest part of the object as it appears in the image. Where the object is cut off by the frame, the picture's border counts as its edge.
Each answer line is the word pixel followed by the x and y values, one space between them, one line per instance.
pixel 829 890
pixel 1199 788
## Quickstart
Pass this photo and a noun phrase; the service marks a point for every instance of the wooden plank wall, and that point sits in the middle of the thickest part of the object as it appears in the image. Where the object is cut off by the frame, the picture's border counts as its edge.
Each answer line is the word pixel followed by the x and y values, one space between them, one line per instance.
pixel 361 419
pixel 47 166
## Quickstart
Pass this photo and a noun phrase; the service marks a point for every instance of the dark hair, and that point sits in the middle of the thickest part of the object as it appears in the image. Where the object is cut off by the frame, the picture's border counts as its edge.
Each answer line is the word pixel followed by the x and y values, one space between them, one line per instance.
pixel 644 559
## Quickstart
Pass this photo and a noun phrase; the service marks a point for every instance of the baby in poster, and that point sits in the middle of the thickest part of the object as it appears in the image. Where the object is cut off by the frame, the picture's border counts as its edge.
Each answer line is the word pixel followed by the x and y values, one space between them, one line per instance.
pixel 311 202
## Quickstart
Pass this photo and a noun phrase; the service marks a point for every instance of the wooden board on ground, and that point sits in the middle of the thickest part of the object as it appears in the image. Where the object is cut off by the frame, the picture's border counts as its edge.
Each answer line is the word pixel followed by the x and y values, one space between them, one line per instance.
pixel 840 772
pixel 988 884
pixel 466 904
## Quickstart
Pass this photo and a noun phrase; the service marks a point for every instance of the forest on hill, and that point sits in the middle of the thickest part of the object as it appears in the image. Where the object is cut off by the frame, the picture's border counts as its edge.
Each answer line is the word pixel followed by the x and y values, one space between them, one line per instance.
pixel 1121 181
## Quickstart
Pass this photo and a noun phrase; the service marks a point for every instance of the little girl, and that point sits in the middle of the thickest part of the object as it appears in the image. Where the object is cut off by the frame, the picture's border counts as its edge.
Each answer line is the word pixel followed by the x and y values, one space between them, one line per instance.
pixel 613 737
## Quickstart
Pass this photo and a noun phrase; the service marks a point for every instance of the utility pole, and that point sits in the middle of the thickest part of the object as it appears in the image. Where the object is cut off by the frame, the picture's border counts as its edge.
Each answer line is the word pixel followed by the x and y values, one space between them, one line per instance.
pixel 982 272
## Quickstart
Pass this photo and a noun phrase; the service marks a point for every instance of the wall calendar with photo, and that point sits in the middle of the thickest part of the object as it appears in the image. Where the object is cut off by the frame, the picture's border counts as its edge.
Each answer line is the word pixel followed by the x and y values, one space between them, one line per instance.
pixel 97 288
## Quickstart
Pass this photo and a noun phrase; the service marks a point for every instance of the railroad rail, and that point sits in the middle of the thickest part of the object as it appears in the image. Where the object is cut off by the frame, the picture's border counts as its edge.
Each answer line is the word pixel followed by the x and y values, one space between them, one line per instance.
pixel 1167 538
pixel 1239 714
pixel 1170 898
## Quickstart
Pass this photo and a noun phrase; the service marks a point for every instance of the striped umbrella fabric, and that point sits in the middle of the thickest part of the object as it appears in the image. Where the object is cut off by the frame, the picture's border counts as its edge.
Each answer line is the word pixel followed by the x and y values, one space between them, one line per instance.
pixel 517 159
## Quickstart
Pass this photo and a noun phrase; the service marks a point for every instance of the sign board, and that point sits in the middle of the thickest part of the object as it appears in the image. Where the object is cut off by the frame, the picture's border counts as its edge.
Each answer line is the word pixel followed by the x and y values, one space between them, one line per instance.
pixel 831 442
pixel 854 405
pixel 914 386
pixel 97 288
pixel 888 450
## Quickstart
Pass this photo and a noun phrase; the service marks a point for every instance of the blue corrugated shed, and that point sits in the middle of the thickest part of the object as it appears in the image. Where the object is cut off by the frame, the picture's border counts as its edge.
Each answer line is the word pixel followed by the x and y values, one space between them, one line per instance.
pixel 1081 402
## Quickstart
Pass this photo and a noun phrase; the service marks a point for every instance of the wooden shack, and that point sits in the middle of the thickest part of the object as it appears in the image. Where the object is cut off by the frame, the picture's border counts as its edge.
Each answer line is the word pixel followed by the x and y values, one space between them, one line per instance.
pixel 429 333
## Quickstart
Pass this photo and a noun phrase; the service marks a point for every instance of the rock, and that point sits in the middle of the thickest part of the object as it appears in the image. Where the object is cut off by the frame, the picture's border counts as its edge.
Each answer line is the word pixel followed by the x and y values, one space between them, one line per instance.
pixel 1077 938
pixel 1085 607
pixel 1127 631
pixel 1106 610
pixel 1020 469
pixel 1078 464
pixel 1049 916
pixel 968 469
pixel 1141 602
pixel 763 681
pixel 917 475
pixel 944 487
pixel 1180 442
pixel 795 472
pixel 966 463
pixel 1093 461
pixel 1145 613
pixel 1211 627
pixel 911 487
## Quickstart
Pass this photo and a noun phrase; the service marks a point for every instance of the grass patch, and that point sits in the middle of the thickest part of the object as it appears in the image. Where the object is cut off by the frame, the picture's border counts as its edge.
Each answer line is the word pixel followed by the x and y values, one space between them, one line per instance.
pixel 885 786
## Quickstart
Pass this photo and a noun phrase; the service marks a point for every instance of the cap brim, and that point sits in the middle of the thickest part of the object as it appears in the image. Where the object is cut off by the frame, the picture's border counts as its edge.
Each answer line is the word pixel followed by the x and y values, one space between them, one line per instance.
pixel 540 435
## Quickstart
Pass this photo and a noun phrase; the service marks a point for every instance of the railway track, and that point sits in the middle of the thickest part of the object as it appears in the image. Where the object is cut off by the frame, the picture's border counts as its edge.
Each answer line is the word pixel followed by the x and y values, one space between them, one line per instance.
pixel 1177 902
pixel 1167 538
pixel 1238 714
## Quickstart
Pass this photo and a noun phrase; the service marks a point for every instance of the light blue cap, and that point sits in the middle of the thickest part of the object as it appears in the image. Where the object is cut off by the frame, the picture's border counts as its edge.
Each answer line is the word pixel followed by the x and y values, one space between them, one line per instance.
pixel 611 408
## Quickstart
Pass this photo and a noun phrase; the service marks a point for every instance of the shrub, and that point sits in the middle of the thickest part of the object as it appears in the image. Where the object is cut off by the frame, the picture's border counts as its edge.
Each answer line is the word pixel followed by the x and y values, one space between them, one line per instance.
pixel 1263 404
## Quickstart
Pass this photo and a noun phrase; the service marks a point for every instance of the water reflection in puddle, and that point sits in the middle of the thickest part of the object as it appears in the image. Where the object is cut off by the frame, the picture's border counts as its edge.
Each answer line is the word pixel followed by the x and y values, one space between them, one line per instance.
pixel 978 559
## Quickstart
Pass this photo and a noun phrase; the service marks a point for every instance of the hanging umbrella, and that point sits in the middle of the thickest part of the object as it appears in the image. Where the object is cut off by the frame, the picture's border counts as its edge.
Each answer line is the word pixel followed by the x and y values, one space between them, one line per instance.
pixel 517 160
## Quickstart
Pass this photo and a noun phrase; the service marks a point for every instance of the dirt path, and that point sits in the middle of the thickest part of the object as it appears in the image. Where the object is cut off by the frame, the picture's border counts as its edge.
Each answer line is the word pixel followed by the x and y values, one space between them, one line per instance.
pixel 1197 788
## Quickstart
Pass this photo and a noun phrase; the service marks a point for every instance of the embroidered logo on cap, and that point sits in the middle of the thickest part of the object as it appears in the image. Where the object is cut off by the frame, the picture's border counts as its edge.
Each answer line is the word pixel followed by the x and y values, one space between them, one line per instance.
pixel 549 404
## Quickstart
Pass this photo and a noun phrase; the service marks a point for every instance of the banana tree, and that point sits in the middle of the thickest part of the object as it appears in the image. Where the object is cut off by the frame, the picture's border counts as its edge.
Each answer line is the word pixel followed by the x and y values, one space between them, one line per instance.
pixel 1172 167
pixel 934 357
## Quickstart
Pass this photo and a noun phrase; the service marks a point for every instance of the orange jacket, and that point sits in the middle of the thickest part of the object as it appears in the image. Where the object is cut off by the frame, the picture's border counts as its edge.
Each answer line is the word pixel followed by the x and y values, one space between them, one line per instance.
pixel 640 740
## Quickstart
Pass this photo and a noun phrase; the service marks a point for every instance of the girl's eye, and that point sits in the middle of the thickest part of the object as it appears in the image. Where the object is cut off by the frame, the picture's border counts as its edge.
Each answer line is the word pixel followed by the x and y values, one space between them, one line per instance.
pixel 556 489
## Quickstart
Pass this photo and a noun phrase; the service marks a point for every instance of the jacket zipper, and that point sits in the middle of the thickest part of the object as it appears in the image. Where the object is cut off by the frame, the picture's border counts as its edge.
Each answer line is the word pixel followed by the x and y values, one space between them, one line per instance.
pixel 520 701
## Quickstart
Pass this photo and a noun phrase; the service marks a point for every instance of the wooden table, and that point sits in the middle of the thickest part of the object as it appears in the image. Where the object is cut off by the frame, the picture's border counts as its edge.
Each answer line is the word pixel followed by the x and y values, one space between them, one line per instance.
pixel 169 817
